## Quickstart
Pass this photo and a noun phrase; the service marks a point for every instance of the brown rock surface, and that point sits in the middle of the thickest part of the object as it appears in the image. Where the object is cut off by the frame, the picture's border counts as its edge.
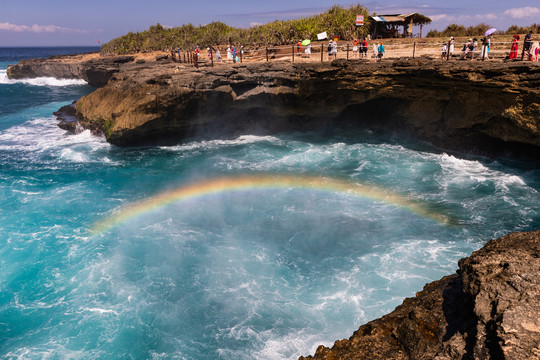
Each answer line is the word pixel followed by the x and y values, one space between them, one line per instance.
pixel 489 310
pixel 482 107
pixel 458 105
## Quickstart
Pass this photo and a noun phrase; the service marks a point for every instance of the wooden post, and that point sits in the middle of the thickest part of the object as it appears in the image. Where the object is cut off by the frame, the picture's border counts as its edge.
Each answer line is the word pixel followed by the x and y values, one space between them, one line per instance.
pixel 267 54
pixel 322 52
pixel 293 53
pixel 185 58
pixel 241 56
pixel 414 50
pixel 196 60
pixel 347 51
pixel 448 51
pixel 212 57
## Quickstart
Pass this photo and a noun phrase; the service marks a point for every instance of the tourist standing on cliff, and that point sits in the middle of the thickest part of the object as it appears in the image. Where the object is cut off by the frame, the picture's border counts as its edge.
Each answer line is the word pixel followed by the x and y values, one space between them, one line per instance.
pixel 528 42
pixel 229 54
pixel 380 52
pixel 364 47
pixel 334 49
pixel 451 47
pixel 535 48
pixel 233 53
pixel 307 51
pixel 514 48
pixel 443 55
pixel 474 47
pixel 486 43
pixel 467 48
pixel 218 55
pixel 355 48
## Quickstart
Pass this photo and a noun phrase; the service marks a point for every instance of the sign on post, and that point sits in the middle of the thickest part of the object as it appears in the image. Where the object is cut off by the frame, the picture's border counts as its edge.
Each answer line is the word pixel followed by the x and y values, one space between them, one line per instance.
pixel 322 36
pixel 359 20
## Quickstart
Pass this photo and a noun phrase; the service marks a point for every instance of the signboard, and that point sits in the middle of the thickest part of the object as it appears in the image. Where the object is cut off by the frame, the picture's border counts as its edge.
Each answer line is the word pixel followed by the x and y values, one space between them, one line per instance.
pixel 359 20
pixel 322 36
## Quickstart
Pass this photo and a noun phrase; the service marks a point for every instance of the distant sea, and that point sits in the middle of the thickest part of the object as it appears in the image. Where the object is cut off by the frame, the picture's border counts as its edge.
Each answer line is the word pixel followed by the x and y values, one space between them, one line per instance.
pixel 218 268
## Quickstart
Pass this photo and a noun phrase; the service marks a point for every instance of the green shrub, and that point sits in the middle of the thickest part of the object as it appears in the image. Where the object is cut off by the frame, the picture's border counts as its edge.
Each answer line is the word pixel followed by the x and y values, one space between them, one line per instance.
pixel 337 20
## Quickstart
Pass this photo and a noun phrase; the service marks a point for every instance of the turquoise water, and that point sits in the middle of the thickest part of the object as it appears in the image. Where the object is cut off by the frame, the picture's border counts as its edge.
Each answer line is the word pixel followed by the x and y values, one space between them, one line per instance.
pixel 254 274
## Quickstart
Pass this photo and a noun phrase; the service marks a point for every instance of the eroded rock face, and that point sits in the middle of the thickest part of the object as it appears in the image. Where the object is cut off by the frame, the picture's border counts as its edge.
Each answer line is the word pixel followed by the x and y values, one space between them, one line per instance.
pixel 462 106
pixel 96 72
pixel 489 310
pixel 480 107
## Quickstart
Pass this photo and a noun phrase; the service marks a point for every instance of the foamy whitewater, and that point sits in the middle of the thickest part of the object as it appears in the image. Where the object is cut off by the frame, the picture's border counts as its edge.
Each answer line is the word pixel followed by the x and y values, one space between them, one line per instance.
pixel 324 235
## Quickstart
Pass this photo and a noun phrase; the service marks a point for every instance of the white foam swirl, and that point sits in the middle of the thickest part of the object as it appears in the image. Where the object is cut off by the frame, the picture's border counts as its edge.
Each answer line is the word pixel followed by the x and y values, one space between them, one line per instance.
pixel 40 81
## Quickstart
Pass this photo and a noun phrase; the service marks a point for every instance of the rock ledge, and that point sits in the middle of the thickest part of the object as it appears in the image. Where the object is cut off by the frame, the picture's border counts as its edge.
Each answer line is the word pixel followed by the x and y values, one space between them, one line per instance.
pixel 490 309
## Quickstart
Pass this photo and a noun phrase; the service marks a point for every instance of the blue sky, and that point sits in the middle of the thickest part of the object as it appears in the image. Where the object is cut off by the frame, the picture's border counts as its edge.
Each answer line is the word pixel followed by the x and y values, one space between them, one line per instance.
pixel 75 22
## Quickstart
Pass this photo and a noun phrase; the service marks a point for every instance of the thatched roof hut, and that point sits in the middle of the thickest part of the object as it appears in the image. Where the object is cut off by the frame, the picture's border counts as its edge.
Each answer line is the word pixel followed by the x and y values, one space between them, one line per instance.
pixel 387 26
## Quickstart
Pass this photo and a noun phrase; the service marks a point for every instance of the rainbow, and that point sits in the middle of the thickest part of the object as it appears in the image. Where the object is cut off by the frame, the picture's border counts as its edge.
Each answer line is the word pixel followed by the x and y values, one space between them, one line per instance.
pixel 252 182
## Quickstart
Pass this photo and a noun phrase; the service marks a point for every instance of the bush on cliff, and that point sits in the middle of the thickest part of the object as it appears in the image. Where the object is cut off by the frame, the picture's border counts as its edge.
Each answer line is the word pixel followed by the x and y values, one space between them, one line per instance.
pixel 480 29
pixel 337 20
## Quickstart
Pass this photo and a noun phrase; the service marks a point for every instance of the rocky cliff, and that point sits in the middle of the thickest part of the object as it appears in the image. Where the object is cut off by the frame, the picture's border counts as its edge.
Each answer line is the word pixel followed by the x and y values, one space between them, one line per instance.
pixel 96 71
pixel 489 310
pixel 484 107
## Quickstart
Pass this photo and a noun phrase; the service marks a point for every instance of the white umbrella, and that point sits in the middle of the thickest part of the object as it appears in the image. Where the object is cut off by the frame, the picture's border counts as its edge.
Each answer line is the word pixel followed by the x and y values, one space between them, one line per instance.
pixel 490 31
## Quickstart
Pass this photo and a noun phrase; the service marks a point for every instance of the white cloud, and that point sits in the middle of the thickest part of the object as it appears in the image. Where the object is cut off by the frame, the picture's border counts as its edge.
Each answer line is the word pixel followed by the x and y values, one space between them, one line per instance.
pixel 38 28
pixel 439 17
pixel 518 13
pixel 484 17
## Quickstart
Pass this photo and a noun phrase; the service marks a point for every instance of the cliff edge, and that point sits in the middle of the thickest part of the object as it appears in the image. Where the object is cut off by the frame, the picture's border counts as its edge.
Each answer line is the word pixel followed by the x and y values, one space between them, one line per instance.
pixel 480 107
pixel 490 309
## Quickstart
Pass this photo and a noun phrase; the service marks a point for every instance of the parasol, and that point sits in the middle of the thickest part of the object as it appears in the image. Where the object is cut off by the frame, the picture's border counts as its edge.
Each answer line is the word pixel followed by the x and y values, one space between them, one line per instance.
pixel 306 42
pixel 490 31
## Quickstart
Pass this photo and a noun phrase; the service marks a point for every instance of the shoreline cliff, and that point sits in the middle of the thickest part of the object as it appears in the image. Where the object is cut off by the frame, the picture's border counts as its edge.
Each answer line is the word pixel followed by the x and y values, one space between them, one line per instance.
pixel 488 108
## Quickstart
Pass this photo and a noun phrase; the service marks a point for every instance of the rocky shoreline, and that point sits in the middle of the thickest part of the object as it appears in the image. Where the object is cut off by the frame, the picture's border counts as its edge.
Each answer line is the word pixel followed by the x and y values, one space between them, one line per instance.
pixel 489 108
pixel 490 309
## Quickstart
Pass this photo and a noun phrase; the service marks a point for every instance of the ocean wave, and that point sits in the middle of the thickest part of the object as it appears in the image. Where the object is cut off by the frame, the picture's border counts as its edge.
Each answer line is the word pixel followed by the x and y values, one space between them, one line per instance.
pixel 40 81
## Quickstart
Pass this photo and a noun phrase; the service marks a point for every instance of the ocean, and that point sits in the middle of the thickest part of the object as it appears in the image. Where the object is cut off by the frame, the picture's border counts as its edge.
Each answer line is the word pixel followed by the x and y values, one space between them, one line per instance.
pixel 259 247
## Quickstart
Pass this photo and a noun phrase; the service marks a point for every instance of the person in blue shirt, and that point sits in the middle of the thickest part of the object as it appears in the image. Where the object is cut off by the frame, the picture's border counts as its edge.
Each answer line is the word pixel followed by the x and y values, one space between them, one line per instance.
pixel 380 52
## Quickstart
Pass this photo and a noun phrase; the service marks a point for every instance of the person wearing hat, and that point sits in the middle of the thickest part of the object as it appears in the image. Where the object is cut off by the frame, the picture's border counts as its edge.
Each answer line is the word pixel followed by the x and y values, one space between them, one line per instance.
pixel 451 47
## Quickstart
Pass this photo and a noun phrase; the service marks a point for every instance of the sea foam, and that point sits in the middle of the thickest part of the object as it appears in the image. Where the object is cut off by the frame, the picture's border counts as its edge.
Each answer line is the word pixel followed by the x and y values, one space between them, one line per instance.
pixel 40 81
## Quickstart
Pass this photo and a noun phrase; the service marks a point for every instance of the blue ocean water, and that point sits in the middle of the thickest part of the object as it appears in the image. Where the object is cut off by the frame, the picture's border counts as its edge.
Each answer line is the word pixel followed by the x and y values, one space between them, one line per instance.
pixel 255 274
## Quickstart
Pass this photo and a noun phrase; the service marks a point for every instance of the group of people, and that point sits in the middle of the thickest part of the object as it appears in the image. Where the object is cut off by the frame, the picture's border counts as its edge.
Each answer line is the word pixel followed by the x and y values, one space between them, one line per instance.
pixel 470 50
pixel 360 48
pixel 530 48
pixel 232 54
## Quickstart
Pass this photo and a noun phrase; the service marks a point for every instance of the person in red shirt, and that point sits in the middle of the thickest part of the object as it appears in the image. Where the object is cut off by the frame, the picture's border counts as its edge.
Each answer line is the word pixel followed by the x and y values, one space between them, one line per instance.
pixel 514 48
